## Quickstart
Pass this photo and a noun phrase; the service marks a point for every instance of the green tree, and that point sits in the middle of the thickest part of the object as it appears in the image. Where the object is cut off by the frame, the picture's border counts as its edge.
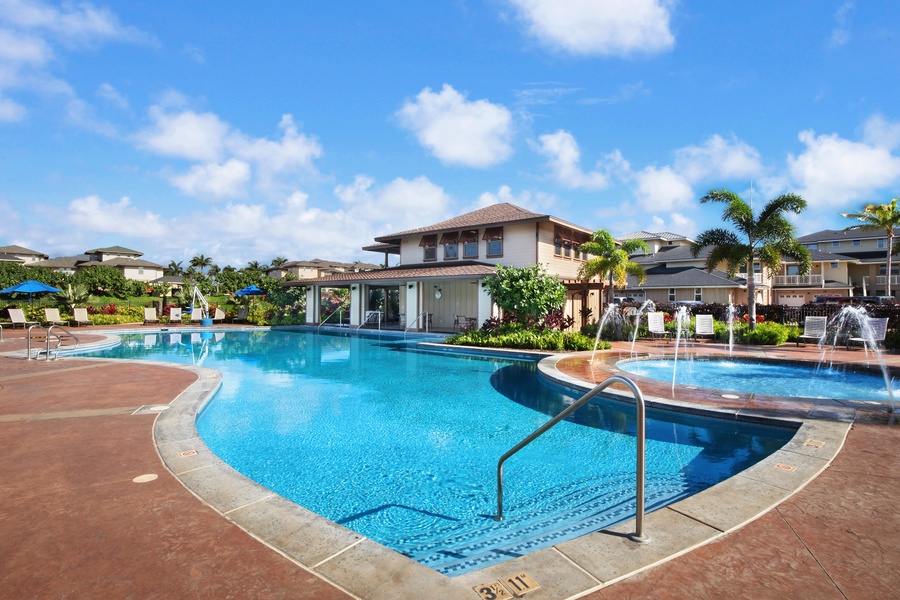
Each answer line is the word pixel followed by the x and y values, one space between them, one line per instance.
pixel 73 295
pixel 879 217
pixel 174 269
pixel 766 238
pixel 527 294
pixel 611 262
pixel 201 262
pixel 278 261
pixel 102 280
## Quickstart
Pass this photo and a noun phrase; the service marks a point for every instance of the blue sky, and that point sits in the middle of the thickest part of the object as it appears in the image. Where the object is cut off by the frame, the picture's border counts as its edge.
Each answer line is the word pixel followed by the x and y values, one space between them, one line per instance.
pixel 305 129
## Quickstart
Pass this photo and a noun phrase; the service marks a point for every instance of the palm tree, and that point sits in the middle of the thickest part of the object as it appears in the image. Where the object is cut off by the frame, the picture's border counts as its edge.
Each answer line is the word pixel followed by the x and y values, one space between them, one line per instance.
pixel 174 269
pixel 611 262
pixel 201 262
pixel 766 238
pixel 879 217
pixel 254 265
pixel 278 261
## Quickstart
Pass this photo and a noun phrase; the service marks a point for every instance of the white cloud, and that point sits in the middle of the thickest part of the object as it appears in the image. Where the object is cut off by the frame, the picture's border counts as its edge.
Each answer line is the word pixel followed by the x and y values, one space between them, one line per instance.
pixel 187 134
pixel 840 35
pixel 539 202
pixel 11 111
pixel 92 213
pixel 226 180
pixel 607 28
pixel 662 189
pixel 111 95
pixel 878 131
pixel 456 131
pixel 834 173
pixel 718 158
pixel 72 23
pixel 294 151
pixel 399 205
pixel 564 160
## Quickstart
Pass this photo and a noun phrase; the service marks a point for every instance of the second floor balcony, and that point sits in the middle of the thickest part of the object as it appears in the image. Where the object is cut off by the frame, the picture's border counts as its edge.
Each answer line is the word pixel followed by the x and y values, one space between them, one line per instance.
pixel 881 280
pixel 798 280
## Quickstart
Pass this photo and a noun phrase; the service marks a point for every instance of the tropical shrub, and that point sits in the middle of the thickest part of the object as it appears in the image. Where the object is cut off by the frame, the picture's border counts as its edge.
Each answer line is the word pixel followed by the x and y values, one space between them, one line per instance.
pixel 766 333
pixel 526 294
pixel 261 313
pixel 517 336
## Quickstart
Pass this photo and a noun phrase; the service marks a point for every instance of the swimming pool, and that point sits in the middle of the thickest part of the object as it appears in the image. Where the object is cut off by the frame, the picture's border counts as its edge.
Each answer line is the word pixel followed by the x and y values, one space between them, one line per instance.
pixel 776 378
pixel 401 445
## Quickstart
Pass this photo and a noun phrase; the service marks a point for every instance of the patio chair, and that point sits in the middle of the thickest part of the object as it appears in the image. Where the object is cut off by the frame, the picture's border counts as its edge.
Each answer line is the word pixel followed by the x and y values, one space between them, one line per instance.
pixel 459 321
pixel 704 326
pixel 51 317
pixel 219 316
pixel 813 330
pixel 80 317
pixel 17 316
pixel 879 331
pixel 174 316
pixel 150 315
pixel 196 315
pixel 656 326
pixel 242 314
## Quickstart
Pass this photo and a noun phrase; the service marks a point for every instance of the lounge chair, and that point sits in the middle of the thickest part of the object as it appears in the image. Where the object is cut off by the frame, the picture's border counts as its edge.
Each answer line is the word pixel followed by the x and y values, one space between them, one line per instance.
pixel 51 317
pixel 879 331
pixel 656 326
pixel 80 316
pixel 196 315
pixel 218 316
pixel 459 321
pixel 704 326
pixel 174 316
pixel 813 330
pixel 150 316
pixel 242 315
pixel 17 316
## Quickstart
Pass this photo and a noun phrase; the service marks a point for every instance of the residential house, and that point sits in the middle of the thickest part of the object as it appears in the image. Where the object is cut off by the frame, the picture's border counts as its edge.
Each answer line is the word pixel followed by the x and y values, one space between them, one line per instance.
pixel 126 260
pixel 310 269
pixel 440 278
pixel 858 259
pixel 22 255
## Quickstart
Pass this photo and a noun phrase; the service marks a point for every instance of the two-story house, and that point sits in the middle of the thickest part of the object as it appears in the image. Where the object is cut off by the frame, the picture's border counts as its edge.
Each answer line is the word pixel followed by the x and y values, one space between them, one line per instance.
pixel 440 278
pixel 20 254
pixel 310 269
pixel 129 262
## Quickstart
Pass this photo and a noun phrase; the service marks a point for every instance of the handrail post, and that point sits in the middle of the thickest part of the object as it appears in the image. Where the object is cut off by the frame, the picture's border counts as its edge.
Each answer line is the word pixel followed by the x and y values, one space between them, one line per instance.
pixel 640 475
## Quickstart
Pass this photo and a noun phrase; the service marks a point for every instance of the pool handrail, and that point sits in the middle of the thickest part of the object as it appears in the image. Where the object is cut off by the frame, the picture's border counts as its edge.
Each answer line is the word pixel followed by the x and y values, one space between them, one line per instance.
pixel 419 316
pixel 48 333
pixel 638 535
pixel 339 311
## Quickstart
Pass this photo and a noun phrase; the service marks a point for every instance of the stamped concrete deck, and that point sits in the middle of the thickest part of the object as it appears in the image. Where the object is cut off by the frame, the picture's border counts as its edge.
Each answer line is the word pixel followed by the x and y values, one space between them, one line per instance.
pixel 75 524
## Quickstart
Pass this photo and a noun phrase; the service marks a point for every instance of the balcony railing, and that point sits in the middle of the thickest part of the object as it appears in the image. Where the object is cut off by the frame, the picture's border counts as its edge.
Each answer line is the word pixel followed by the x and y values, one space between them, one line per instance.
pixel 797 280
pixel 882 280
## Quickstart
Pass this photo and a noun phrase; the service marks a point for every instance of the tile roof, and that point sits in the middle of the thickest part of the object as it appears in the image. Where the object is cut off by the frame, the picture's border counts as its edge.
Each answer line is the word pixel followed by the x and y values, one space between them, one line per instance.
pixel 63 262
pixel 4 257
pixel 645 235
pixel 124 262
pixel 495 214
pixel 459 270
pixel 835 235
pixel 114 250
pixel 21 250
pixel 666 277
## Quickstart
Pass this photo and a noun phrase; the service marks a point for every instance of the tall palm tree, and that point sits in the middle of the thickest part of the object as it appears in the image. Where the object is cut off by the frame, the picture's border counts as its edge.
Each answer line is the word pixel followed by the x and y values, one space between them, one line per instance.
pixel 278 261
pixel 766 238
pixel 201 262
pixel 879 217
pixel 611 262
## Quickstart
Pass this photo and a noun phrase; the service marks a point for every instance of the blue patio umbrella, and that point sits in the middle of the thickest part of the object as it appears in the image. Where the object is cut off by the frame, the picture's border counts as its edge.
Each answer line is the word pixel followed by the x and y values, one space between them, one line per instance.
pixel 250 290
pixel 30 287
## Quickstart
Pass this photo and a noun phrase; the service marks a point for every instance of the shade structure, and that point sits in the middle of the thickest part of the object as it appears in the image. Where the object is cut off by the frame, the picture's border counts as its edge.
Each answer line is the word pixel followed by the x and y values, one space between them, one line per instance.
pixel 250 290
pixel 30 287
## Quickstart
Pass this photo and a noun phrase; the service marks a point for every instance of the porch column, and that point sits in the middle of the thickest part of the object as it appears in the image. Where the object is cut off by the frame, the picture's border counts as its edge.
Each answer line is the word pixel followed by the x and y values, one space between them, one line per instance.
pixel 356 307
pixel 312 306
pixel 485 305
pixel 412 302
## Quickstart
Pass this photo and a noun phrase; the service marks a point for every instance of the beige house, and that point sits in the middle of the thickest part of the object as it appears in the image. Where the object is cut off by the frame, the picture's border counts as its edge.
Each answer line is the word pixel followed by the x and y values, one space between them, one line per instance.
pixel 439 281
pixel 21 255
pixel 310 269
pixel 126 260
pixel 857 259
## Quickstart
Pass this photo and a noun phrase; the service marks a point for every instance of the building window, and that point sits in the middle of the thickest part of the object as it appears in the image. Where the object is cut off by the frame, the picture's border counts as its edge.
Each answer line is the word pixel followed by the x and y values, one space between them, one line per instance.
pixel 698 294
pixel 140 270
pixel 450 242
pixel 757 267
pixel 469 241
pixel 857 243
pixel 671 294
pixel 813 246
pixel 793 269
pixel 882 243
pixel 563 239
pixel 836 244
pixel 429 247
pixel 833 265
pixel 494 238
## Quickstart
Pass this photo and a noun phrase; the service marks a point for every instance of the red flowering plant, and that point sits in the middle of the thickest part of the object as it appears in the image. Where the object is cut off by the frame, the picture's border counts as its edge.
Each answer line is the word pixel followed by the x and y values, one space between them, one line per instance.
pixel 759 319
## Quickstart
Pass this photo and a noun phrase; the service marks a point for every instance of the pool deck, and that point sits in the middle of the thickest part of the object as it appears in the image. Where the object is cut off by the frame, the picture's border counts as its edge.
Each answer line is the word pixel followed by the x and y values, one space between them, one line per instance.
pixel 84 517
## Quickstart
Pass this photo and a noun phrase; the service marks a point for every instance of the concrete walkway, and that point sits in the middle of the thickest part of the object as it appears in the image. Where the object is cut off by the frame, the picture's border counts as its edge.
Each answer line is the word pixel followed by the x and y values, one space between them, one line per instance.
pixel 90 511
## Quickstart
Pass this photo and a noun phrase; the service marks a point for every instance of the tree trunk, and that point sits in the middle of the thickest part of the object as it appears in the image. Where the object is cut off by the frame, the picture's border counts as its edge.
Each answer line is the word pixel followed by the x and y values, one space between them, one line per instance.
pixel 890 253
pixel 751 296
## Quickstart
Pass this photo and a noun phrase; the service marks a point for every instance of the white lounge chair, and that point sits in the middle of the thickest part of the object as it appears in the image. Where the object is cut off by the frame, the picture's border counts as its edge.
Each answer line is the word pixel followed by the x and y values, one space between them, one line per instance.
pixel 51 317
pixel 174 316
pixel 813 330
pixel 219 316
pixel 879 331
pixel 17 316
pixel 656 325
pixel 704 327
pixel 80 316
pixel 150 316
pixel 196 315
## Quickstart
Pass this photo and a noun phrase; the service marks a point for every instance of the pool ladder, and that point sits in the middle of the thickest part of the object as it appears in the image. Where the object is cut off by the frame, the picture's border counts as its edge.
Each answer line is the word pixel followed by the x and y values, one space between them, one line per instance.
pixel 638 535
pixel 48 333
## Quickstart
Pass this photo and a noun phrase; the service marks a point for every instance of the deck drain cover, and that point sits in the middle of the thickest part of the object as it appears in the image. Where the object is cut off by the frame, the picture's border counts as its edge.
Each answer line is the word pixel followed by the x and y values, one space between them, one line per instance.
pixel 145 478
pixel 730 396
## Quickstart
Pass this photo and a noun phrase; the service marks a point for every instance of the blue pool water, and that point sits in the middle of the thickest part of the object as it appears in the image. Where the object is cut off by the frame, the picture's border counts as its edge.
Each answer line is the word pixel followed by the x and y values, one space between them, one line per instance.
pixel 776 379
pixel 402 445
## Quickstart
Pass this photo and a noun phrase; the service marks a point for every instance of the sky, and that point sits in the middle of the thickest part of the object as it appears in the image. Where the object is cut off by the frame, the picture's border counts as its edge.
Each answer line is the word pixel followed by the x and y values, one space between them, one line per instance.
pixel 249 131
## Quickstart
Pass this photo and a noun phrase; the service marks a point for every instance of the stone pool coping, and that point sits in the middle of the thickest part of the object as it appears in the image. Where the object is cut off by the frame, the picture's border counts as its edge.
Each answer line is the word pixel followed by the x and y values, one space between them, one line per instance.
pixel 570 569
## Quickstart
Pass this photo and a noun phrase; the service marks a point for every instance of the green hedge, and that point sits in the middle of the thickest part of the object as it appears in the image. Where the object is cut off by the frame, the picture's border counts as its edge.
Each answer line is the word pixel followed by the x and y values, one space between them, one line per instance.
pixel 526 339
